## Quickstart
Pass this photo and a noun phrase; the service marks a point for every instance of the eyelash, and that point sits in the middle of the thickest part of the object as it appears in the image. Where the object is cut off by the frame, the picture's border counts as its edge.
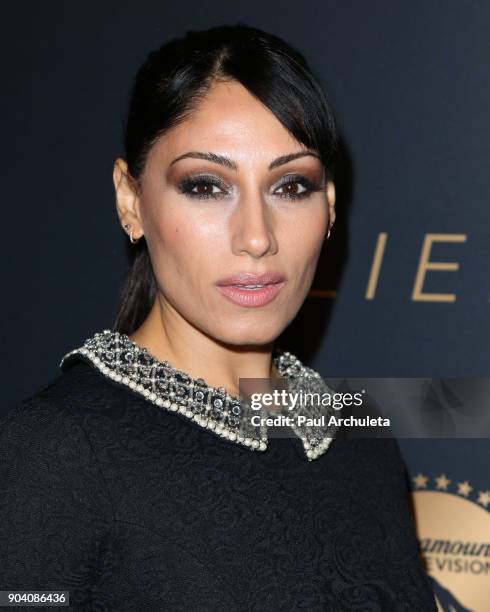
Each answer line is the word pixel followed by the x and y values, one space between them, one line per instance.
pixel 188 183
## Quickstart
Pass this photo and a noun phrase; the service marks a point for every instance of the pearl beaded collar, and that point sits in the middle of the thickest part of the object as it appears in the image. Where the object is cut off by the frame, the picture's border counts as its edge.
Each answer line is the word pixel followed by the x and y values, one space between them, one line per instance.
pixel 117 357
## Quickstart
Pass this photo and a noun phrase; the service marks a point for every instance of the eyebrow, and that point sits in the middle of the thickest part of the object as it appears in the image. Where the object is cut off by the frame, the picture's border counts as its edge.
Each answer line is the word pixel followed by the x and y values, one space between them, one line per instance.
pixel 226 161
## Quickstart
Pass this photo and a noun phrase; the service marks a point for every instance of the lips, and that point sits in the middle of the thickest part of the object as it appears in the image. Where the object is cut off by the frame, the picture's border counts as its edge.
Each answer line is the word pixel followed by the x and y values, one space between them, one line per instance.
pixel 248 278
pixel 251 298
pixel 251 290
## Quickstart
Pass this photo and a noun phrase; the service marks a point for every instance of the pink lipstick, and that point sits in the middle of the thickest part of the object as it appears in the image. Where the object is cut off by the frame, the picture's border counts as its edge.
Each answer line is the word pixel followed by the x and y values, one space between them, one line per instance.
pixel 251 290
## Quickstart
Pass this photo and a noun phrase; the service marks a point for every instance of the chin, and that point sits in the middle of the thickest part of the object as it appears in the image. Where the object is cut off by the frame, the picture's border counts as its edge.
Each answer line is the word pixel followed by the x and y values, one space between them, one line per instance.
pixel 249 334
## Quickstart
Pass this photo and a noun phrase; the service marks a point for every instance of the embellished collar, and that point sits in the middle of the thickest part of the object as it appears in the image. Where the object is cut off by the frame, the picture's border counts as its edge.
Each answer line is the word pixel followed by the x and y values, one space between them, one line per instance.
pixel 117 357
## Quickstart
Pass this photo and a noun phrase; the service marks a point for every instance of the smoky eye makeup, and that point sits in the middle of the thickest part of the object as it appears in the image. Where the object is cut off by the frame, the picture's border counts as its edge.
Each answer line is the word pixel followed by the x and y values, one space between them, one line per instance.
pixel 293 186
pixel 203 186
pixel 297 186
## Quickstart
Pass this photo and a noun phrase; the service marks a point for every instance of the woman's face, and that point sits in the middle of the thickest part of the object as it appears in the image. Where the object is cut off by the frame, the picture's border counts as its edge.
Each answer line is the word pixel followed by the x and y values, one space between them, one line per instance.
pixel 205 221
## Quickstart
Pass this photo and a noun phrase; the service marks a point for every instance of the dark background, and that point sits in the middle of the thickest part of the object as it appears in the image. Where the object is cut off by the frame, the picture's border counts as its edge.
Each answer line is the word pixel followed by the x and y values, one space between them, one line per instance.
pixel 410 83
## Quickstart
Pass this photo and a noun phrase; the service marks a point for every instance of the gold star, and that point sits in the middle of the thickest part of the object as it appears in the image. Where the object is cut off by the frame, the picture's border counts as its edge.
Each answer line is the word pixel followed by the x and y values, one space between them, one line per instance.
pixel 464 488
pixel 484 498
pixel 420 481
pixel 442 482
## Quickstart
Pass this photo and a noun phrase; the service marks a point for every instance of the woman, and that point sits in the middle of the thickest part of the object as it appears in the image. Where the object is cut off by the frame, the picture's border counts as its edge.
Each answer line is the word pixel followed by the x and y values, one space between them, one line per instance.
pixel 136 479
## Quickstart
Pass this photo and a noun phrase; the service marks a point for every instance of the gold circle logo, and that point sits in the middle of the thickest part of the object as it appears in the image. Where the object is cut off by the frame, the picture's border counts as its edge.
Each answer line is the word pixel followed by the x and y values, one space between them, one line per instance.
pixel 454 536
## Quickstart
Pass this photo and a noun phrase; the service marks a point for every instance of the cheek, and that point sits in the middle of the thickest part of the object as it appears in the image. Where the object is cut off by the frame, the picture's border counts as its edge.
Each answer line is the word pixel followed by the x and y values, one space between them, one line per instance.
pixel 182 245
pixel 303 234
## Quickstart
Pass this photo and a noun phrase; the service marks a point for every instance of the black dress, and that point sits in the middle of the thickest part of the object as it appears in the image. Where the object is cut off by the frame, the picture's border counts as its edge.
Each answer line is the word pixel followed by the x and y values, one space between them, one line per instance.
pixel 108 492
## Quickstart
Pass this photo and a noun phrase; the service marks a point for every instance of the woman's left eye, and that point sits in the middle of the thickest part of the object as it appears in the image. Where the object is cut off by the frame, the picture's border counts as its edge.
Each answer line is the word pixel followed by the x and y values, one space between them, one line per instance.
pixel 296 187
pixel 292 189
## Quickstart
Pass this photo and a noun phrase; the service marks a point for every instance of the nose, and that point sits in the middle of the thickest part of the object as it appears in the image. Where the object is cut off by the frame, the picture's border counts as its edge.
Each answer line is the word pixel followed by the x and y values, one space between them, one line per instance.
pixel 252 227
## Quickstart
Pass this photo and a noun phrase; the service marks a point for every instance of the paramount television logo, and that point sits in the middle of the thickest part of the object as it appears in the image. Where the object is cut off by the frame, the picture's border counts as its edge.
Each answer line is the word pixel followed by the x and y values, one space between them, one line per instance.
pixel 453 525
pixel 457 556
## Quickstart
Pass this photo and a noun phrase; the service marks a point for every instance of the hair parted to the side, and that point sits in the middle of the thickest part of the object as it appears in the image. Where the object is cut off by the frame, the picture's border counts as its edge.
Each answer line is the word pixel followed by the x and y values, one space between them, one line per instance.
pixel 170 84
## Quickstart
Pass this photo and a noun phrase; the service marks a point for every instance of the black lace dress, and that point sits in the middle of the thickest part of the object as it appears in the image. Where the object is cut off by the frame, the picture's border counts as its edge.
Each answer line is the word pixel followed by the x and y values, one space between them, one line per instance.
pixel 112 492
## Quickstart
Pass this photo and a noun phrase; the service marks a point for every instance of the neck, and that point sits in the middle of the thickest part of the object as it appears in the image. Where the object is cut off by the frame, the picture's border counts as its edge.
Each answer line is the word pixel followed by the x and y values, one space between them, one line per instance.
pixel 169 337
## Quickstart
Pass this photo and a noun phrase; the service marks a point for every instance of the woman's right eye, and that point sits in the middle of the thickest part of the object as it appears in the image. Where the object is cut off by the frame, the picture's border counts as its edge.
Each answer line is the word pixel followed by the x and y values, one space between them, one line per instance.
pixel 202 188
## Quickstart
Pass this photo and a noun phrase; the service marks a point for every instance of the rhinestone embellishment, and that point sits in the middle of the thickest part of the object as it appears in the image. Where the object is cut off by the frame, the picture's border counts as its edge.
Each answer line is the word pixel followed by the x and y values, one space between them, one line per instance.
pixel 117 357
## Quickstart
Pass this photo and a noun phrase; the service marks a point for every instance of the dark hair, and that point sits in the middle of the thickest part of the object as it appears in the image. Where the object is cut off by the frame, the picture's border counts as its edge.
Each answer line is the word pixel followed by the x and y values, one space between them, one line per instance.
pixel 170 84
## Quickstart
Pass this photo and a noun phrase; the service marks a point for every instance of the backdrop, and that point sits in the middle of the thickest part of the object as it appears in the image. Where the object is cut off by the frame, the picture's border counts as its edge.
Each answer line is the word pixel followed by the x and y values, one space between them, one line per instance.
pixel 403 285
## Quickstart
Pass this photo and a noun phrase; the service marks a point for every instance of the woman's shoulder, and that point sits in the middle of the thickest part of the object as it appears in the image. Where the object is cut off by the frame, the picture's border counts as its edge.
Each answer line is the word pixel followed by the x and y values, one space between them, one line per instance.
pixel 61 405
pixel 43 440
pixel 52 489
pixel 77 380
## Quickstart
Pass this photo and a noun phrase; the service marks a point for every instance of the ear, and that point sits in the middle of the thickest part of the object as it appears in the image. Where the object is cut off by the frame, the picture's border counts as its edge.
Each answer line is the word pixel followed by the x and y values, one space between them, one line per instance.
pixel 331 203
pixel 127 199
